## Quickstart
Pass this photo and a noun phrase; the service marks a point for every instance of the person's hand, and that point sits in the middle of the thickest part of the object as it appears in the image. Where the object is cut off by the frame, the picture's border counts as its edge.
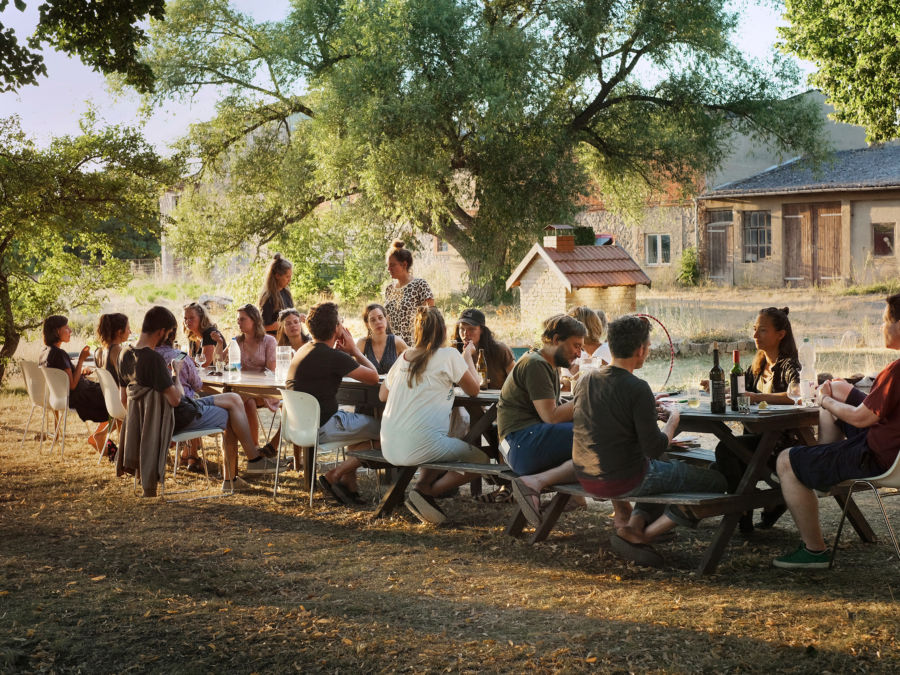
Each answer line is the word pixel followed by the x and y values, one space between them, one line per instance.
pixel 823 390
pixel 85 352
pixel 218 337
pixel 177 366
pixel 469 348
pixel 87 370
pixel 302 318
pixel 672 413
pixel 345 341
pixel 704 385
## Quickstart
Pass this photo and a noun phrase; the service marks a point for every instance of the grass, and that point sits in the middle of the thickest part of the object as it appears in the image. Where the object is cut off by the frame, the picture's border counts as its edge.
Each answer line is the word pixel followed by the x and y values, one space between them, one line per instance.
pixel 95 579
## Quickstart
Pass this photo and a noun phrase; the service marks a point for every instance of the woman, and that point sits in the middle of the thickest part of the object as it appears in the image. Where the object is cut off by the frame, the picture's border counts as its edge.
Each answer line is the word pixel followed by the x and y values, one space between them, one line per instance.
pixel 201 332
pixel 275 295
pixel 257 355
pixel 416 421
pixel 290 329
pixel 191 384
pixel 594 346
pixel 380 346
pixel 535 429
pixel 85 396
pixel 112 331
pixel 498 357
pixel 774 367
pixel 405 293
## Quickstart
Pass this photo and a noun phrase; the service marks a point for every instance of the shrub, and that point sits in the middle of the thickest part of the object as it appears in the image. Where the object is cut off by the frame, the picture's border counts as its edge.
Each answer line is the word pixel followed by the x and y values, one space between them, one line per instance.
pixel 689 267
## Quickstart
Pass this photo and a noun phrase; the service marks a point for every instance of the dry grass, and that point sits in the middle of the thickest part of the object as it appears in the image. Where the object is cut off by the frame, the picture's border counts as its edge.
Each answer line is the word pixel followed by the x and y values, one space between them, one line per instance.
pixel 93 579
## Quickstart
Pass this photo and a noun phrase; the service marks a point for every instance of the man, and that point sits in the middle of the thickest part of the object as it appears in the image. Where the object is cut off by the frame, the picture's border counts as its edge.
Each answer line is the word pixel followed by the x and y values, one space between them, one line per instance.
pixel 142 369
pixel 857 439
pixel 617 443
pixel 317 369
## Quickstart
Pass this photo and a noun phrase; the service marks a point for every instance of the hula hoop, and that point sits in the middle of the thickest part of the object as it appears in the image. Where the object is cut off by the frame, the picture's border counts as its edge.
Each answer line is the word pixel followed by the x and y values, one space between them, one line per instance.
pixel 671 346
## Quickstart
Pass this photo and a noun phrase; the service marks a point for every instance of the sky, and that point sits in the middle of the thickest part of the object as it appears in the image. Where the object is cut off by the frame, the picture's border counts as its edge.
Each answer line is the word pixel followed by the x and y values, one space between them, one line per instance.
pixel 55 105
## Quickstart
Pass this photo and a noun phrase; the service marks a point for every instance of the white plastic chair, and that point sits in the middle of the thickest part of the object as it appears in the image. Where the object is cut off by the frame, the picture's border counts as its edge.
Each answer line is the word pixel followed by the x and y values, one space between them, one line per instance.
pixel 300 426
pixel 58 400
pixel 183 437
pixel 889 479
pixel 114 407
pixel 36 386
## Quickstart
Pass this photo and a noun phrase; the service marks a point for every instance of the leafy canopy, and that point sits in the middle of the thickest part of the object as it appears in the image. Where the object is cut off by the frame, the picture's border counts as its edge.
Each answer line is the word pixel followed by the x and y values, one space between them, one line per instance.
pixel 478 122
pixel 855 45
pixel 104 35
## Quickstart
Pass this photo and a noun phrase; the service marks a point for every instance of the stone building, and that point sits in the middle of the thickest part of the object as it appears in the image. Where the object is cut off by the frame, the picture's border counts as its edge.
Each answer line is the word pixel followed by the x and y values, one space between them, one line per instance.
pixel 558 275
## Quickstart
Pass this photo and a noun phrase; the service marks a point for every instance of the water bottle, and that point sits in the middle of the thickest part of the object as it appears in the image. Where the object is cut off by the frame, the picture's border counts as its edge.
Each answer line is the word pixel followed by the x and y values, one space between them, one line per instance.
pixel 808 379
pixel 234 359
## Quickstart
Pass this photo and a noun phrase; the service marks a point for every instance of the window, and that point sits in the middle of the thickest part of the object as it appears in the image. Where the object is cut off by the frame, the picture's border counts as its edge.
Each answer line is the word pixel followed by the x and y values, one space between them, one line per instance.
pixel 883 236
pixel 440 246
pixel 658 249
pixel 757 235
pixel 718 216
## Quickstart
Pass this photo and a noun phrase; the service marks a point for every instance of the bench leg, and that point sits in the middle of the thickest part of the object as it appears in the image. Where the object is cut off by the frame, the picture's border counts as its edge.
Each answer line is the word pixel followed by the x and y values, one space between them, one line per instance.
pixel 716 548
pixel 554 511
pixel 856 518
pixel 516 524
pixel 475 486
pixel 396 493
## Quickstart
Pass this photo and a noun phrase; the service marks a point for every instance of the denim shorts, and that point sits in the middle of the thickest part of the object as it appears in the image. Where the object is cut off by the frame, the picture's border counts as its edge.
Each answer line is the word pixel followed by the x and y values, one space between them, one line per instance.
pixel 539 447
pixel 344 426
pixel 211 416
pixel 672 476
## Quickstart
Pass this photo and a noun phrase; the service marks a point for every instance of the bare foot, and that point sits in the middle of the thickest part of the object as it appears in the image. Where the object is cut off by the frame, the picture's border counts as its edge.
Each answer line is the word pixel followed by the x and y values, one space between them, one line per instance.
pixel 632 535
pixel 621 514
pixel 575 503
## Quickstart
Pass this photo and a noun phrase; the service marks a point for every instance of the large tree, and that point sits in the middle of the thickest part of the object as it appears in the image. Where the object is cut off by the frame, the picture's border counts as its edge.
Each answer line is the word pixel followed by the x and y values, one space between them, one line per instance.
pixel 855 45
pixel 104 35
pixel 57 206
pixel 474 121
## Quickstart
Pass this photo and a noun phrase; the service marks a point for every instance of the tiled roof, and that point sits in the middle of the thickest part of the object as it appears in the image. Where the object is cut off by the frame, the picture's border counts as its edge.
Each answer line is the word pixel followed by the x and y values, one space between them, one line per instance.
pixel 588 266
pixel 864 169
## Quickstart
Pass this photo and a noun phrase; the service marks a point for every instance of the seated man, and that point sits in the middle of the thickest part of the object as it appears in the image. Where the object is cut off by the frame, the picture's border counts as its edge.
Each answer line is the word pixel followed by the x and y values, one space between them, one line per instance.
pixel 317 369
pixel 870 426
pixel 141 367
pixel 617 442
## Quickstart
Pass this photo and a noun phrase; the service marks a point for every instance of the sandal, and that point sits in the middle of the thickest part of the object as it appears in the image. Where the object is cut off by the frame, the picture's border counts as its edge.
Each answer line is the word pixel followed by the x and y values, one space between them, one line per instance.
pixel 502 495
pixel 195 465
pixel 641 554
pixel 335 491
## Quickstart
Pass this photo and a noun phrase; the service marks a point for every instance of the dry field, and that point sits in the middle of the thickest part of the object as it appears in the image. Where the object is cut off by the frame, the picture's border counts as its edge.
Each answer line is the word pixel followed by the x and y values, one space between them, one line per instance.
pixel 96 580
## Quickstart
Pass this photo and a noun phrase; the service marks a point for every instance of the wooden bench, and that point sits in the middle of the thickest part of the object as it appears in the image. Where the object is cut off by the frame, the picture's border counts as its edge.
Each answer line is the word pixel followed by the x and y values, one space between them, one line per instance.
pixel 693 455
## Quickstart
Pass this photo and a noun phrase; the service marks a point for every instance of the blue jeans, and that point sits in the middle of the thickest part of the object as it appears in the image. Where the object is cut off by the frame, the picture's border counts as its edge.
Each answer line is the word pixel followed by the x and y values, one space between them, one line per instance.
pixel 672 476
pixel 539 447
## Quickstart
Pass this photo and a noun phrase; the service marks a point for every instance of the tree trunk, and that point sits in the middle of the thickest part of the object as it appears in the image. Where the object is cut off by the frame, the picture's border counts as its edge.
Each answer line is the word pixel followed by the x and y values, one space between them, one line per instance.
pixel 10 334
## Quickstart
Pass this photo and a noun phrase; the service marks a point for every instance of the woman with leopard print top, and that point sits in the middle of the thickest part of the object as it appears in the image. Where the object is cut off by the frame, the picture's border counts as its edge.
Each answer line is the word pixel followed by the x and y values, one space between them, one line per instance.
pixel 405 293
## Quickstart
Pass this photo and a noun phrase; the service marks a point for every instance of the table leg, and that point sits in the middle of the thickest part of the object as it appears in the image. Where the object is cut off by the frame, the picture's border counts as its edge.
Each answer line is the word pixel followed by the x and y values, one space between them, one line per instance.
pixel 551 515
pixel 856 517
pixel 516 524
pixel 396 492
pixel 716 548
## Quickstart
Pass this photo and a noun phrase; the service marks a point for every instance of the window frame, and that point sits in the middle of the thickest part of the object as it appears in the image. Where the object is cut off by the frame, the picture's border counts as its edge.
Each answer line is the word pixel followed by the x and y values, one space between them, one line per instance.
pixel 658 237
pixel 748 227
pixel 893 236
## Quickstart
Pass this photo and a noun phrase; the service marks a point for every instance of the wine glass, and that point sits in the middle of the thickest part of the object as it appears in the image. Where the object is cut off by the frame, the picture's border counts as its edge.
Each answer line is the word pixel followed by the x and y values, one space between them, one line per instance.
pixel 199 359
pixel 794 392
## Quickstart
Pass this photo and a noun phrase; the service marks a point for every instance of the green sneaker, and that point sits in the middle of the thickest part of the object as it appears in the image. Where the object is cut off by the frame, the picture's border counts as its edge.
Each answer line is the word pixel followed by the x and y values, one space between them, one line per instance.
pixel 804 559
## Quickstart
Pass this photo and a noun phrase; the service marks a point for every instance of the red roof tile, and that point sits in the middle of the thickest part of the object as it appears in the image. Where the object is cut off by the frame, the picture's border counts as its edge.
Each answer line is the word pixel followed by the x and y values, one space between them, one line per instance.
pixel 598 266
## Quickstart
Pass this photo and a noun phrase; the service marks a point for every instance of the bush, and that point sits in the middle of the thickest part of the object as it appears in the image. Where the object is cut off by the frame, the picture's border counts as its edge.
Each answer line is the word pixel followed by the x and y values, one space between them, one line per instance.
pixel 689 267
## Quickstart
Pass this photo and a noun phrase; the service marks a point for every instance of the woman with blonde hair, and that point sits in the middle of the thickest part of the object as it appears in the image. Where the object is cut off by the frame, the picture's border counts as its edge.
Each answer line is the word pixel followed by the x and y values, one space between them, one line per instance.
pixel 416 422
pixel 595 323
pixel 112 331
pixel 257 355
pixel 405 293
pixel 290 329
pixel 275 295
pixel 202 334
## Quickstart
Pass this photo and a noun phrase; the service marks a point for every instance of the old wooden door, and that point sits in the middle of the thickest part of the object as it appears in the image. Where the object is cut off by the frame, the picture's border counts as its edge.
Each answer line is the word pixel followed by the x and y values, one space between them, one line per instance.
pixel 812 243
pixel 797 256
pixel 826 220
pixel 718 245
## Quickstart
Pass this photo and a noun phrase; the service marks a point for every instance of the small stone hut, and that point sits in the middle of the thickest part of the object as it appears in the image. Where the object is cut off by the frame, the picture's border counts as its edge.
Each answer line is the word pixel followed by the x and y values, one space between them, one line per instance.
pixel 558 275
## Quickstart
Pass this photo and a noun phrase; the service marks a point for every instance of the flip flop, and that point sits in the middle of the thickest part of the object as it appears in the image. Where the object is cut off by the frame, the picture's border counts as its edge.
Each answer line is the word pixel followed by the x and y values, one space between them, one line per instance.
pixel 335 491
pixel 523 495
pixel 641 554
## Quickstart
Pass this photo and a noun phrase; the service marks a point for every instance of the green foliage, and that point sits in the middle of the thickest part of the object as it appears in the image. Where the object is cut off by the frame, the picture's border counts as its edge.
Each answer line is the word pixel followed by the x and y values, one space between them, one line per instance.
pixel 104 35
pixel 478 123
pixel 883 288
pixel 55 253
pixel 855 45
pixel 585 236
pixel 689 267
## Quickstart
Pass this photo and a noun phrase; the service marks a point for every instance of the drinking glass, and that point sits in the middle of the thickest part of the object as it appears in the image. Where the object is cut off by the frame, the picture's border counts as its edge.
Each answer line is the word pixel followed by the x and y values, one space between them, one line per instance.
pixel 220 366
pixel 794 393
pixel 743 404
pixel 693 396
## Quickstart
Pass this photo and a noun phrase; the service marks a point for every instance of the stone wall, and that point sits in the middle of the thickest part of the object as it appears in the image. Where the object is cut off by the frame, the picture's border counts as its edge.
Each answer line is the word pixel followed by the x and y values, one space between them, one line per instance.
pixel 615 301
pixel 541 293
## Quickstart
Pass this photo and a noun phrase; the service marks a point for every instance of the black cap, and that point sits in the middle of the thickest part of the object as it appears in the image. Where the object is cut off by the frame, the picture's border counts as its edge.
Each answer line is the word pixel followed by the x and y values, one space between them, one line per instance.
pixel 473 317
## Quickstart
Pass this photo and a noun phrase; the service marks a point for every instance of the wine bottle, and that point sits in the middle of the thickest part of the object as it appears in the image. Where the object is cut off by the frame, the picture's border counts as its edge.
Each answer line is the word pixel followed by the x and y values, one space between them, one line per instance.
pixel 737 380
pixel 716 384
pixel 481 367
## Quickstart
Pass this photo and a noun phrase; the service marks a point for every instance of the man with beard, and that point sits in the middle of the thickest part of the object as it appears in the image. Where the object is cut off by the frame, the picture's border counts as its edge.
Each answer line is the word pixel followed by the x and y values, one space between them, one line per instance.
pixel 535 430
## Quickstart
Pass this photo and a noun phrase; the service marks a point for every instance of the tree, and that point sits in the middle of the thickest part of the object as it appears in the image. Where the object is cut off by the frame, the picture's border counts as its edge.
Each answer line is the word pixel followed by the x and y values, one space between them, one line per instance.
pixel 104 35
pixel 55 207
pixel 478 122
pixel 856 48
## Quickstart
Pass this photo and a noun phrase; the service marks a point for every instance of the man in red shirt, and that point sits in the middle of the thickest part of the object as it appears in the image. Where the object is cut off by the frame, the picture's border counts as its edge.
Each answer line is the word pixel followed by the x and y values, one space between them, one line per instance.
pixel 870 427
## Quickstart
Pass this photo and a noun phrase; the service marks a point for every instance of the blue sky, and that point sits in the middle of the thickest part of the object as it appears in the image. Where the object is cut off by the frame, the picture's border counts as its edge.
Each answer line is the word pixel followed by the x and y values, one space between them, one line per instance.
pixel 56 104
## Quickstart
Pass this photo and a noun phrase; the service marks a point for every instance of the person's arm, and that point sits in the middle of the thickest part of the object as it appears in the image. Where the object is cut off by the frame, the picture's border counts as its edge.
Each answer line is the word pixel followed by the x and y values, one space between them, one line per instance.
pixel 550 413
pixel 470 382
pixel 270 344
pixel 360 347
pixel 383 392
pixel 859 416
pixel 428 302
pixel 75 375
pixel 400 345
pixel 651 440
pixel 366 372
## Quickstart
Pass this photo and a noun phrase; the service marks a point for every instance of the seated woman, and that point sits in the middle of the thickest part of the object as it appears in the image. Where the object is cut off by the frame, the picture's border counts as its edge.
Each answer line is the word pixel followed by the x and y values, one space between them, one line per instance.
pixel 290 329
pixel 191 384
pixel 112 331
pixel 535 430
pixel 142 367
pixel 594 346
pixel 257 355
pixel 85 396
pixel 774 367
pixel 472 330
pixel 380 345
pixel 416 421
pixel 201 332
pixel 857 439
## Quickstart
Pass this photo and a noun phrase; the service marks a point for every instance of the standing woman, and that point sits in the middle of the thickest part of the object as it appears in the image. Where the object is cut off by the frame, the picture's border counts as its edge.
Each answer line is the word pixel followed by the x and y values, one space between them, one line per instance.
pixel 257 355
pixel 405 293
pixel 112 331
pixel 201 332
pixel 85 396
pixel 380 346
pixel 275 295
pixel 290 329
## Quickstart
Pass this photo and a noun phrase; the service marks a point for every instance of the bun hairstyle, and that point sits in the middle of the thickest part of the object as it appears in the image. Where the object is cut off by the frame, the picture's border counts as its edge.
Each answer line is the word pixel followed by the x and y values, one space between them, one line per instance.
pixel 400 253
pixel 109 326
pixel 787 348
pixel 278 267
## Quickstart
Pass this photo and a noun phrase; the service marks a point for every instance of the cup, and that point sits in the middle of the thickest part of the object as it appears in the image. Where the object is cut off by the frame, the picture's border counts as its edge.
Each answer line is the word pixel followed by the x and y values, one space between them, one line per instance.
pixel 220 366
pixel 693 396
pixel 743 404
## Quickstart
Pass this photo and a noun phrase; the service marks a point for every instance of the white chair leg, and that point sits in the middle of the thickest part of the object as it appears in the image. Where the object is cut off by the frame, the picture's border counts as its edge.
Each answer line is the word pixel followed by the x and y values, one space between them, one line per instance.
pixel 43 429
pixel 25 433
pixel 277 467
pixel 102 452
pixel 62 443
pixel 312 472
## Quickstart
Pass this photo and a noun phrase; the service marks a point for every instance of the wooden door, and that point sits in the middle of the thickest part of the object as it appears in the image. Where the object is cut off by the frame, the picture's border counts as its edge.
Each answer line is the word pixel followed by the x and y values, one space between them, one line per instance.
pixel 718 244
pixel 826 219
pixel 812 243
pixel 796 237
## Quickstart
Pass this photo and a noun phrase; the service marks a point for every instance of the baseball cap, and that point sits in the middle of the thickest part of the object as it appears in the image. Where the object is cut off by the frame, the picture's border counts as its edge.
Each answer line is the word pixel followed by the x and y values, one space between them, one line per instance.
pixel 472 316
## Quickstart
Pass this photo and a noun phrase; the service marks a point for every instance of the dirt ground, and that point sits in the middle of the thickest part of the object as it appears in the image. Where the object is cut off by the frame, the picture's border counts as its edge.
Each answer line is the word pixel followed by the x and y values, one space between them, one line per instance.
pixel 94 579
